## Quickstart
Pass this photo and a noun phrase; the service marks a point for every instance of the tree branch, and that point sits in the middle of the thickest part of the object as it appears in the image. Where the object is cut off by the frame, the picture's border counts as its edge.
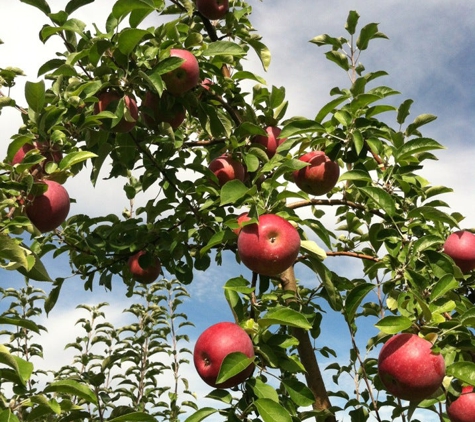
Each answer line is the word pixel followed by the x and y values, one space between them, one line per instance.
pixel 332 202
pixel 313 374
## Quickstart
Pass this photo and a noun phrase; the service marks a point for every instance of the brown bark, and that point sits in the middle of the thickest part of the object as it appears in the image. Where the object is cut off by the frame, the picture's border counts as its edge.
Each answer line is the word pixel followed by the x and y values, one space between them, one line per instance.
pixel 313 374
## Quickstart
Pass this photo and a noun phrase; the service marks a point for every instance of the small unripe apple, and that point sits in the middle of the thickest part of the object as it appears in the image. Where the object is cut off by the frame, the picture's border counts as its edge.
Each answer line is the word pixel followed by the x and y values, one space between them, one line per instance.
pixel 462 409
pixel 409 369
pixel 186 76
pixel 144 269
pixel 162 109
pixel 227 168
pixel 271 141
pixel 270 246
pixel 49 210
pixel 320 176
pixel 108 100
pixel 213 9
pixel 460 246
pixel 212 347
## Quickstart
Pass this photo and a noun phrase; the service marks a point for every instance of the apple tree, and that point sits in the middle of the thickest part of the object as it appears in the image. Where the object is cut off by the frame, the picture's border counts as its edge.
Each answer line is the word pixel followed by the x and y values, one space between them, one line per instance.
pixel 158 97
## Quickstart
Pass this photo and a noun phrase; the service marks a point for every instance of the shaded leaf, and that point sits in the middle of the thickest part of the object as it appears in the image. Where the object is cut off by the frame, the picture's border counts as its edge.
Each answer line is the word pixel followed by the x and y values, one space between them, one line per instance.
pixel 270 411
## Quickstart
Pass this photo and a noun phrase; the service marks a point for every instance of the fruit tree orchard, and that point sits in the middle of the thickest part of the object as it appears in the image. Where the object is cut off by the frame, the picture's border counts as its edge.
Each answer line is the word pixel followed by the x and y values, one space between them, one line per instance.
pixel 166 109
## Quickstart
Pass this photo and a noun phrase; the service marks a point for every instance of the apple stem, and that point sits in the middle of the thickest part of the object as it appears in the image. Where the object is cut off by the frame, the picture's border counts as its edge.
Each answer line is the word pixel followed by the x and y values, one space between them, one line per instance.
pixel 307 355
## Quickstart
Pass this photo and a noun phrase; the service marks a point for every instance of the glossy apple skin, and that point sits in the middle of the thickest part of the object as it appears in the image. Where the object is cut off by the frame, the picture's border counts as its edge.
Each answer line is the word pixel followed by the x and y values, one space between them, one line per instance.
pixel 213 9
pixel 271 141
pixel 269 247
pixel 226 168
pixel 108 101
pixel 408 368
pixel 185 77
pixel 462 409
pixel 159 109
pixel 460 246
pixel 49 210
pixel 145 275
pixel 213 345
pixel 320 176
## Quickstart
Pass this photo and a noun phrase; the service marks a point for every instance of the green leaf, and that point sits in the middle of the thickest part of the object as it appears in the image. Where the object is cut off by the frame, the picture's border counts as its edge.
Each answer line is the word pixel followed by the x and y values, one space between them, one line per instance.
pixel 7 415
pixel 312 248
pixel 122 8
pixel 232 365
pixel 35 95
pixel 263 390
pixel 419 121
pixel 352 22
pixel 427 242
pixel 21 367
pixel 37 271
pixel 129 38
pixel 329 107
pixel 134 417
pixel 464 371
pixel 394 324
pixel 217 239
pixel 296 127
pixel 270 411
pixel 73 5
pixel 239 284
pixel 326 39
pixel 432 214
pixel 262 52
pixel 416 146
pixel 403 111
pixel 285 316
pixel 201 414
pixel 339 58
pixel 354 299
pixel 227 48
pixel 381 198
pixel 299 392
pixel 74 158
pixel 232 191
pixel 20 322
pixel 40 4
pixel 358 175
pixel 73 388
pixel 368 33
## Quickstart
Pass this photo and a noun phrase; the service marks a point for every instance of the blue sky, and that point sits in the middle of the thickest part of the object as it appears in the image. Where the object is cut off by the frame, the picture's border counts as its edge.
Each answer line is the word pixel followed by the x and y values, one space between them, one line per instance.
pixel 429 58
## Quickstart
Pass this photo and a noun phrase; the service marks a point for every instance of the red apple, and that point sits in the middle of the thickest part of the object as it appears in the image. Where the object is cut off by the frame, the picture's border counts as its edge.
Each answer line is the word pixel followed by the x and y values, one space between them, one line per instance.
pixel 184 77
pixel 213 9
pixel 320 176
pixel 271 141
pixel 270 246
pixel 462 409
pixel 226 168
pixel 460 246
pixel 213 345
pixel 49 210
pixel 408 367
pixel 241 218
pixel 162 109
pixel 108 100
pixel 51 152
pixel 142 269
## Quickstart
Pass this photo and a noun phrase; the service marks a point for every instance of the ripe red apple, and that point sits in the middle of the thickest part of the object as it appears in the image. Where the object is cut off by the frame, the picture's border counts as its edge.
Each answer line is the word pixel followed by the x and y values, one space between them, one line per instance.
pixel 213 345
pixel 460 246
pixel 271 141
pixel 241 218
pixel 462 409
pixel 185 77
pixel 51 152
pixel 408 367
pixel 270 246
pixel 320 176
pixel 226 168
pixel 108 100
pixel 49 210
pixel 162 109
pixel 145 270
pixel 213 9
